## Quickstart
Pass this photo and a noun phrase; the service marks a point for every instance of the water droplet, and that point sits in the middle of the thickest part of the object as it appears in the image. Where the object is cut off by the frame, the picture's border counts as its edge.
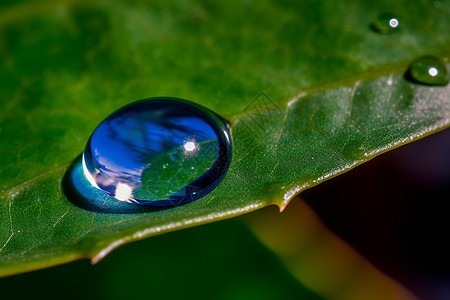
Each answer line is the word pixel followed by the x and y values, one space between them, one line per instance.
pixel 386 23
pixel 428 70
pixel 158 151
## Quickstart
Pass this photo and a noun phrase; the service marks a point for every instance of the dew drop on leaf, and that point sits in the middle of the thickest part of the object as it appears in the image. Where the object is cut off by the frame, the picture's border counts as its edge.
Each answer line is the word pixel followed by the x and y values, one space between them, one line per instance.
pixel 158 151
pixel 386 23
pixel 428 70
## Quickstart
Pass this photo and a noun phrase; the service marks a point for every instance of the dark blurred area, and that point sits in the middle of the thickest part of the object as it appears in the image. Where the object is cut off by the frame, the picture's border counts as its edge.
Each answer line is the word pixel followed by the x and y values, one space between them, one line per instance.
pixel 394 211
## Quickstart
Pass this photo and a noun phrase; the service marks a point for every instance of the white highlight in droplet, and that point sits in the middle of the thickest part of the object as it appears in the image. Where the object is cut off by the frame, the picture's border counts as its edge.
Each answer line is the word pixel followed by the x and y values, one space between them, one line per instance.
pixel 393 22
pixel 189 146
pixel 432 71
pixel 123 192
pixel 88 174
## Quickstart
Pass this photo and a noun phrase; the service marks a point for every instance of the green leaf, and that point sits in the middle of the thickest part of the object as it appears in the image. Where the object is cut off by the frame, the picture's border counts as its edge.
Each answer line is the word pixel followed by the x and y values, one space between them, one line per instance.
pixel 334 97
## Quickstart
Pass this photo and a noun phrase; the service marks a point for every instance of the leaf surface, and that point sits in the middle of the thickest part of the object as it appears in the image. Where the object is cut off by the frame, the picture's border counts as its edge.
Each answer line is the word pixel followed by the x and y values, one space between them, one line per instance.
pixel 309 90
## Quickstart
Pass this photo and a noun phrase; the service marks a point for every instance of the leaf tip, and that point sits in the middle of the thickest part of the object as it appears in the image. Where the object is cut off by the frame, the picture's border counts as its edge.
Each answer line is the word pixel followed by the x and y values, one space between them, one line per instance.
pixel 283 206
pixel 289 195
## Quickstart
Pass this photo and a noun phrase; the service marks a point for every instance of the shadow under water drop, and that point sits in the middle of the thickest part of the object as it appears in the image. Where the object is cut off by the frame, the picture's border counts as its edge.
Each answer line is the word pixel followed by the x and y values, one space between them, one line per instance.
pixel 80 192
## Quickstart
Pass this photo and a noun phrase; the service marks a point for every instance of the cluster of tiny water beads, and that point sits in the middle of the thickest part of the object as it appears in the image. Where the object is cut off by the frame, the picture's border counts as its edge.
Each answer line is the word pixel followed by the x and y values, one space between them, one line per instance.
pixel 160 151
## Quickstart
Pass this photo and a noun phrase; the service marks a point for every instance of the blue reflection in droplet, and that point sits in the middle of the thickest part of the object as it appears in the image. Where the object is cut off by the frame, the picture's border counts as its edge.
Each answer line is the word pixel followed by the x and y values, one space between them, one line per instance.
pixel 159 151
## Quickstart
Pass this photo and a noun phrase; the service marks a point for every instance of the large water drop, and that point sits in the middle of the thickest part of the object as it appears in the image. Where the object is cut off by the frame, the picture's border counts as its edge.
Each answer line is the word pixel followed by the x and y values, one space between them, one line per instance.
pixel 158 151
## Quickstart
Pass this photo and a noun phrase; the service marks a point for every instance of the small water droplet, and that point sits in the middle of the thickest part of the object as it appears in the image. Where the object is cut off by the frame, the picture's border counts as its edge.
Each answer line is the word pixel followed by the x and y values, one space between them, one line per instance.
pixel 386 23
pixel 124 155
pixel 428 70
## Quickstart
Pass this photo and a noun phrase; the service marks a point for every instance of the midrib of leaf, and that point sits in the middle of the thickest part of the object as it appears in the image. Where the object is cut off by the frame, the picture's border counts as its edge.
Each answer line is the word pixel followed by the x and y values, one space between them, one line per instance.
pixel 373 73
pixel 376 72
